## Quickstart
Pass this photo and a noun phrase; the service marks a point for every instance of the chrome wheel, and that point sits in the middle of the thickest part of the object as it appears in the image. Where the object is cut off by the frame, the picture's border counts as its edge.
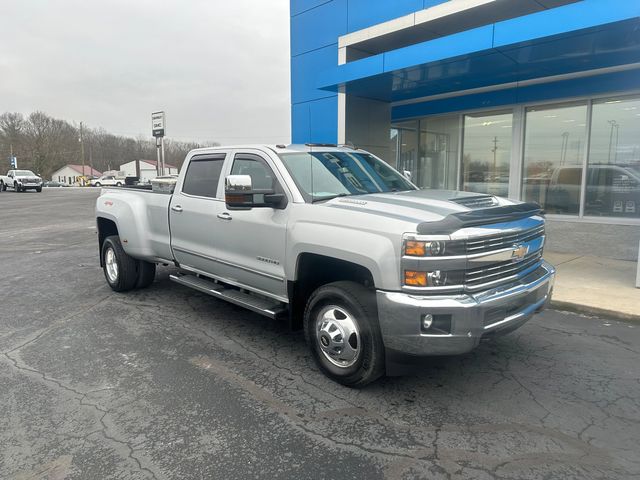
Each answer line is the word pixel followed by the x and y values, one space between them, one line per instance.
pixel 338 336
pixel 112 265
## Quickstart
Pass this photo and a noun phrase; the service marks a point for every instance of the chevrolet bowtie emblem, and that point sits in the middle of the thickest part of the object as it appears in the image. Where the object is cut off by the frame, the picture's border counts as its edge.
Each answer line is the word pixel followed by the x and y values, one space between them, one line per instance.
pixel 519 252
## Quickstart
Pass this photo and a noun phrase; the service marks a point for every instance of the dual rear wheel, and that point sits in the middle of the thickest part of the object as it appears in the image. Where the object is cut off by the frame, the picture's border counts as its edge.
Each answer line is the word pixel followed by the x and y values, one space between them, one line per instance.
pixel 123 272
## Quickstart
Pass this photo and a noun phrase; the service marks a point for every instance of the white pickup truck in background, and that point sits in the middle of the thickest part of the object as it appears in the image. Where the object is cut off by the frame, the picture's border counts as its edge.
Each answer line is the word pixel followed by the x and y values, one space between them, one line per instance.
pixel 107 181
pixel 21 181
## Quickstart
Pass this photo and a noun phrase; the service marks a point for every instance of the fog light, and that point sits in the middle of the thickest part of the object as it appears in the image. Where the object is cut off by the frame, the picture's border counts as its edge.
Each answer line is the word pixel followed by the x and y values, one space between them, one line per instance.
pixel 427 320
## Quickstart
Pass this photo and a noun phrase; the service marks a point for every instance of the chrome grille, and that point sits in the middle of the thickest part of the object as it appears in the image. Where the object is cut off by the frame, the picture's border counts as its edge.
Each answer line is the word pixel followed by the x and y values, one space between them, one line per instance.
pixel 499 272
pixel 496 242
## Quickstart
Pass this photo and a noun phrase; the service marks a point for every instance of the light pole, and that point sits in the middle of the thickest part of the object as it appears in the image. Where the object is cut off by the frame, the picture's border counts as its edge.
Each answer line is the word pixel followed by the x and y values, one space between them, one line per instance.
pixel 614 125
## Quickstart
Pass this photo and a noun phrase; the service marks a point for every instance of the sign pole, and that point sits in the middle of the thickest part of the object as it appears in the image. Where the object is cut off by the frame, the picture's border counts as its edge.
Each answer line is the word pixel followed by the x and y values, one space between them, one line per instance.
pixel 159 164
pixel 162 150
pixel 157 130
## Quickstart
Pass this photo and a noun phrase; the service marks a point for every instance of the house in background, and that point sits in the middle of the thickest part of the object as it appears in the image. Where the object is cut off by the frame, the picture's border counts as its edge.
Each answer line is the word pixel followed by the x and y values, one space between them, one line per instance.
pixel 71 174
pixel 148 169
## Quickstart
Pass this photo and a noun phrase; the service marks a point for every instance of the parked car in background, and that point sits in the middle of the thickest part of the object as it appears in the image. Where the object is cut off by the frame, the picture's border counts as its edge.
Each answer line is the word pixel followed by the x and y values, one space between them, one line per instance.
pixel 107 181
pixel 21 181
pixel 611 189
pixel 53 184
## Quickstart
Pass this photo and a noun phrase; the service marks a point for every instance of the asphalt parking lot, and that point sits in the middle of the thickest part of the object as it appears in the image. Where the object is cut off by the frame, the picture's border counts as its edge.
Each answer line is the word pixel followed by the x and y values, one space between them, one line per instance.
pixel 169 383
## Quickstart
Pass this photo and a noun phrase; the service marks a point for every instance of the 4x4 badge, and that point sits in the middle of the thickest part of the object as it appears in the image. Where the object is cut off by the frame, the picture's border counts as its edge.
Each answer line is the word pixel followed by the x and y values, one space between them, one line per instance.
pixel 519 252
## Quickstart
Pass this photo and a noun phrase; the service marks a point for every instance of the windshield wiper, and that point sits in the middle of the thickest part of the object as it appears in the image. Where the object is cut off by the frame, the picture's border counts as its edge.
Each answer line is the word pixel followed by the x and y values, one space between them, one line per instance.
pixel 329 197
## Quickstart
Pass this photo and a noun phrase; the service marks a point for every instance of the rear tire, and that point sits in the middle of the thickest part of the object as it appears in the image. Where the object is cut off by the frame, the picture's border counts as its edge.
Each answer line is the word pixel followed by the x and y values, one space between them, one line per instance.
pixel 345 309
pixel 120 270
pixel 119 184
pixel 146 274
pixel 98 184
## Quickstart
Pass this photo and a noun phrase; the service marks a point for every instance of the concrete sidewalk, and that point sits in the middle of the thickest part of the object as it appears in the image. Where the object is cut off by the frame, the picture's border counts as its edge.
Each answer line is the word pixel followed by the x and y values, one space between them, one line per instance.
pixel 595 285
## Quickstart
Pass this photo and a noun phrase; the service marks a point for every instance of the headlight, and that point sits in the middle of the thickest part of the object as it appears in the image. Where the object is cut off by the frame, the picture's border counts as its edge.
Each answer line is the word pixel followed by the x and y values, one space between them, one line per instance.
pixel 424 248
pixel 417 248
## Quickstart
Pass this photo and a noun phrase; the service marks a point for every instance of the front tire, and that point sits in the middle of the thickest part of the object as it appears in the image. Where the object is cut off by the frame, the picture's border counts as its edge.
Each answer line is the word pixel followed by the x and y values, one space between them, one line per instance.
pixel 119 184
pixel 98 184
pixel 120 270
pixel 38 189
pixel 4 186
pixel 17 188
pixel 341 328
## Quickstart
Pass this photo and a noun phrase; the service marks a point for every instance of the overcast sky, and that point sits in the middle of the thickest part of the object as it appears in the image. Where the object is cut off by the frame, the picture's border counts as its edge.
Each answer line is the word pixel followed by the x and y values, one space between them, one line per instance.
pixel 220 69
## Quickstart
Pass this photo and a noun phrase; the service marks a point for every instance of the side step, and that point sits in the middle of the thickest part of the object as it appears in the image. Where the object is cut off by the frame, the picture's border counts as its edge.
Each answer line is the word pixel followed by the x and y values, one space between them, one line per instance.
pixel 264 306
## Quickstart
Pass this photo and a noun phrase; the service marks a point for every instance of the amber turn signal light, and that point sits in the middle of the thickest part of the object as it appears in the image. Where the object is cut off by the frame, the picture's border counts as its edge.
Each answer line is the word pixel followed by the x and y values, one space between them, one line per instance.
pixel 415 279
pixel 413 248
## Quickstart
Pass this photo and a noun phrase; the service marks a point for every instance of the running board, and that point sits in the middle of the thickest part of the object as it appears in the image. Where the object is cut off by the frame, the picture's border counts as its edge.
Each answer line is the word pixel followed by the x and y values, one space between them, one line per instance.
pixel 261 305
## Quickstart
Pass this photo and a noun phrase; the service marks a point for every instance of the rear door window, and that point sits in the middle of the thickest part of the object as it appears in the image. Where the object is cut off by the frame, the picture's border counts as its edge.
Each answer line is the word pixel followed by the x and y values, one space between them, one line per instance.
pixel 203 175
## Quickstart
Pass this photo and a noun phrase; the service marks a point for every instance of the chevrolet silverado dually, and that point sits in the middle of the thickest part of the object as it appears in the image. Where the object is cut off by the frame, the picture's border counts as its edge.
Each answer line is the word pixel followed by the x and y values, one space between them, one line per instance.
pixel 333 239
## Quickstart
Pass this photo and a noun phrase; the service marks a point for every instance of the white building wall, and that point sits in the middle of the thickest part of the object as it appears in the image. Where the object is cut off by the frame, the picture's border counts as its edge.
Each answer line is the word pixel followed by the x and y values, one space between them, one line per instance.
pixel 65 175
pixel 147 170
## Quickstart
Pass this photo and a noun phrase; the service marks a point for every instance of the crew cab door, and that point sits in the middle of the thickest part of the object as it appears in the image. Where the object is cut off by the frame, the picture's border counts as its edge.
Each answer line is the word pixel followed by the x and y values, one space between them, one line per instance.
pixel 251 244
pixel 197 200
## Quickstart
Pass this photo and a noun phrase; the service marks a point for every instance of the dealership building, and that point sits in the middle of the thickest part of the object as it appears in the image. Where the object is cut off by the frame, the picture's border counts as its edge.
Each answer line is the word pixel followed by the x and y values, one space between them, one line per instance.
pixel 537 100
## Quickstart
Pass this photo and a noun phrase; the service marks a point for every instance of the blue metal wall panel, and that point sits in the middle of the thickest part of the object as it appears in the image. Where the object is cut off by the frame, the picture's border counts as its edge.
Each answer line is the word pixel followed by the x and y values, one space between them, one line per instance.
pixel 563 20
pixel 432 3
pixel 578 87
pixel 304 71
pixel 299 6
pixel 365 13
pixel 319 27
pixel 315 121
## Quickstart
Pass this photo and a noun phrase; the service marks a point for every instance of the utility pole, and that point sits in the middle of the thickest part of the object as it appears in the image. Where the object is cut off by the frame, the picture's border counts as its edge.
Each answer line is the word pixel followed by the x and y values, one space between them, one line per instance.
pixel 82 150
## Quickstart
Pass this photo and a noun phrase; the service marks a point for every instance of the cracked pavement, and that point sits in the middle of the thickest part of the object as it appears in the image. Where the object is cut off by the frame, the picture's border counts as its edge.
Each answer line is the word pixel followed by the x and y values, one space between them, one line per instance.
pixel 168 383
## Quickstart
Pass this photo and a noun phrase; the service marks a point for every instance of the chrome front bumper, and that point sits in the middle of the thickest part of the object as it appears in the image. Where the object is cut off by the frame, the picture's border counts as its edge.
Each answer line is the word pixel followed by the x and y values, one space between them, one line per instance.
pixel 468 317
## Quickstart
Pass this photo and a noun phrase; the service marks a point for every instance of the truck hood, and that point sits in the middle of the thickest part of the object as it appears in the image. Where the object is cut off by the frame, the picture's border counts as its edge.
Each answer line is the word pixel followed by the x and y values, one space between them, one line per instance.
pixel 418 206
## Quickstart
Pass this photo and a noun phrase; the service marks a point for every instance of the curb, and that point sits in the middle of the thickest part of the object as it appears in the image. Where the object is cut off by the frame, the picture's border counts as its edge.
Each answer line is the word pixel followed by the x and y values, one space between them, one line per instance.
pixel 597 311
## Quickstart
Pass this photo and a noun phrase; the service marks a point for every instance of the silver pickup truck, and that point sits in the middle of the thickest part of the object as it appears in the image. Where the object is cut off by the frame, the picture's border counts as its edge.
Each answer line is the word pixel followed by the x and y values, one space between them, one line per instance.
pixel 375 271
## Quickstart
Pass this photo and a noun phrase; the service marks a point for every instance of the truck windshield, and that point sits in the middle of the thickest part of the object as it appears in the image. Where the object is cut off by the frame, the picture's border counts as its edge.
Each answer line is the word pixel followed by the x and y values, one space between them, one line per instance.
pixel 325 175
pixel 24 173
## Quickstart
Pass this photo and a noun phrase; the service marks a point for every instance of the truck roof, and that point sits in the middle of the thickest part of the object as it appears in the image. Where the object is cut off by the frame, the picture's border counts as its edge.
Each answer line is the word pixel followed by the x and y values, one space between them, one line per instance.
pixel 280 148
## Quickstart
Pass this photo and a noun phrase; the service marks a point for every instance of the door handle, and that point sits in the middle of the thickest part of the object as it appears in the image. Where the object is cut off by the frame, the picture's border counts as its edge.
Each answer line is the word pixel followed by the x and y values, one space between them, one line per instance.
pixel 177 208
pixel 225 216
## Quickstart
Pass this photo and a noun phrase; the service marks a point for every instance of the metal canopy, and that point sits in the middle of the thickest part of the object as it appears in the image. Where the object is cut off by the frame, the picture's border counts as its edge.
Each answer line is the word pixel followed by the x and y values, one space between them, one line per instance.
pixel 579 37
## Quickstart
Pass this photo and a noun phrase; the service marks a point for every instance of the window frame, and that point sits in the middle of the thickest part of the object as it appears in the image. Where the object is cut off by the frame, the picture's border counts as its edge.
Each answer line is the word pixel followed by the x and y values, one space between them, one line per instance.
pixel 218 156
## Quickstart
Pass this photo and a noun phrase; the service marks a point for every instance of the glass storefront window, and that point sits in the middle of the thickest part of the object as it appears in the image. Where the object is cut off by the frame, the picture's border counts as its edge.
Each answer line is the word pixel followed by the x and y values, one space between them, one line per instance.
pixel 486 153
pixel 438 161
pixel 613 176
pixel 553 157
pixel 554 154
pixel 407 141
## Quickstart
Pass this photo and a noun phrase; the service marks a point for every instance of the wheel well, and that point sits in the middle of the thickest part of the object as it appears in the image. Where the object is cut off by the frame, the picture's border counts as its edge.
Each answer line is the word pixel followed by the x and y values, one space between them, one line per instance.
pixel 106 228
pixel 313 271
